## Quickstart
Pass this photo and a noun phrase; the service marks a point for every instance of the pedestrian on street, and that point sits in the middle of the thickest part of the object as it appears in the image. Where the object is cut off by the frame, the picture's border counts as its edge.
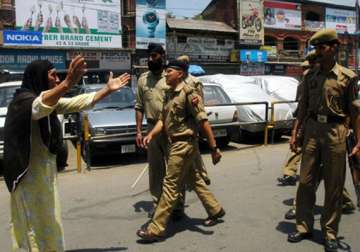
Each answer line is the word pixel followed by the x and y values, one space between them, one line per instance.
pixel 328 99
pixel 198 87
pixel 32 140
pixel 179 120
pixel 149 103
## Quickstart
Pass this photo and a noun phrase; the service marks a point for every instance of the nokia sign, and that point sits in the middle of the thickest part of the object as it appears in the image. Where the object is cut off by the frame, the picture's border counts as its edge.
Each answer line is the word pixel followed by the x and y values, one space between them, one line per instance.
pixel 22 37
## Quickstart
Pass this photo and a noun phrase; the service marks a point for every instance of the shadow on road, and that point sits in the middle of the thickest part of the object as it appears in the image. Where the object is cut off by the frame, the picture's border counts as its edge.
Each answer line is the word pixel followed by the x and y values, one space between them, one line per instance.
pixel 99 249
pixel 186 224
pixel 143 206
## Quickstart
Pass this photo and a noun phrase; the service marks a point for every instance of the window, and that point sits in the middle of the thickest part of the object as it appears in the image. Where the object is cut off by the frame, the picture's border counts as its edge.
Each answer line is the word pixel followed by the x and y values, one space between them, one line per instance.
pixel 214 96
pixel 312 16
pixel 270 41
pixel 220 42
pixel 181 39
pixel 291 44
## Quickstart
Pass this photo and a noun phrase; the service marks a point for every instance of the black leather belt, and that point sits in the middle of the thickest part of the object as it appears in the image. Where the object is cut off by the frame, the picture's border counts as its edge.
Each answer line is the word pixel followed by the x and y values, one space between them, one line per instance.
pixel 327 118
pixel 184 138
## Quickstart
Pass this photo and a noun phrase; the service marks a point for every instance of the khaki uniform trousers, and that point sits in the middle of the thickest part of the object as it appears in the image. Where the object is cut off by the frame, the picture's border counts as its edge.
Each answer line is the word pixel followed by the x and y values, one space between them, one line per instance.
pixel 180 166
pixel 291 166
pixel 156 154
pixel 323 144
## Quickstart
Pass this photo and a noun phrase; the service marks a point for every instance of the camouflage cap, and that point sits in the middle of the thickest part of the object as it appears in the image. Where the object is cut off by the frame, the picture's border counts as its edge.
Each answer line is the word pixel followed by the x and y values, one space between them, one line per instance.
pixel 305 64
pixel 311 56
pixel 324 36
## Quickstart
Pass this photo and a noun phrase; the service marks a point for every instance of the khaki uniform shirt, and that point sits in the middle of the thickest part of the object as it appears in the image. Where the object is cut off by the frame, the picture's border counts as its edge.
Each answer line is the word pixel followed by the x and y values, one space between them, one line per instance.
pixel 150 94
pixel 195 83
pixel 329 93
pixel 180 116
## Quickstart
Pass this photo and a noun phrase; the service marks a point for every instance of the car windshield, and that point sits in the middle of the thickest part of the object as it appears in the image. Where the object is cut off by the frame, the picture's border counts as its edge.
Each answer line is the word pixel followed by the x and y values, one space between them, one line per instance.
pixel 6 95
pixel 123 98
pixel 213 95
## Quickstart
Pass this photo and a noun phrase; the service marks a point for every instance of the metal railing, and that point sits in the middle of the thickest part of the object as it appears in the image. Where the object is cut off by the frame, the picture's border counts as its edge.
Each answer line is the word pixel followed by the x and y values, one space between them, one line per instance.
pixel 83 143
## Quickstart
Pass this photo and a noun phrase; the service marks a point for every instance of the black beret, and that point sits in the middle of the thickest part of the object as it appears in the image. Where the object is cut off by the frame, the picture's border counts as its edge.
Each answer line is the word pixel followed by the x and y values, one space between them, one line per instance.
pixel 178 65
pixel 154 47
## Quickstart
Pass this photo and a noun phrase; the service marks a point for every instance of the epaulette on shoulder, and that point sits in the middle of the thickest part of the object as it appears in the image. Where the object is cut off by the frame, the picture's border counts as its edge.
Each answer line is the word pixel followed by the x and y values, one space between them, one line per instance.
pixel 347 72
pixel 188 90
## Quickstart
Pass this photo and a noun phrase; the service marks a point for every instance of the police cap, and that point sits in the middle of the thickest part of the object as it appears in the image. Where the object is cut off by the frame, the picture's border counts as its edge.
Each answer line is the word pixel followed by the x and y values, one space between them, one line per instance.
pixel 324 36
pixel 178 65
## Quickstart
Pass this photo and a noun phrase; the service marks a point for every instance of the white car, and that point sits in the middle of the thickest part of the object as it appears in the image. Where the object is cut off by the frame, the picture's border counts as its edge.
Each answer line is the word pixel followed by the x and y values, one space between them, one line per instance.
pixel 7 90
pixel 221 117
pixel 242 89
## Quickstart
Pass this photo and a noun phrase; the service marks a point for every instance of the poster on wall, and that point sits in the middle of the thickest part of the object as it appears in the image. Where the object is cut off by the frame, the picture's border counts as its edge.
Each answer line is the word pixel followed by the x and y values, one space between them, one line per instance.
pixel 251 22
pixel 282 15
pixel 150 23
pixel 67 24
pixel 341 20
pixel 201 49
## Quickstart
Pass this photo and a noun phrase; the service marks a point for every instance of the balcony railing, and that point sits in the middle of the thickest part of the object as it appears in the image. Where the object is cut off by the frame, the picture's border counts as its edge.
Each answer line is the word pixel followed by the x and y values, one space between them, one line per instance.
pixel 310 25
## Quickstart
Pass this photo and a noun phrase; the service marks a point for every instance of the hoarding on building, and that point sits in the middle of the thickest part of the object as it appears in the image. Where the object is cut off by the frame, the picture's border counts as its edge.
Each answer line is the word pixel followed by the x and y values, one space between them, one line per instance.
pixel 255 56
pixel 201 49
pixel 251 22
pixel 67 24
pixel 150 23
pixel 19 59
pixel 282 15
pixel 111 60
pixel 341 20
pixel 252 68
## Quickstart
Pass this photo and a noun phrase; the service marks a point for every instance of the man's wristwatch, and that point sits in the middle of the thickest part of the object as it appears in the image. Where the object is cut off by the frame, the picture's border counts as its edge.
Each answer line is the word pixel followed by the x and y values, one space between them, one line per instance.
pixel 214 148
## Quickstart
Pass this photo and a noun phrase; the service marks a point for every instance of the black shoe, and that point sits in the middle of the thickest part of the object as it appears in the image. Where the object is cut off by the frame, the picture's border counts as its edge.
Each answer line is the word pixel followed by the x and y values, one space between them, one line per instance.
pixel 348 208
pixel 177 215
pixel 291 214
pixel 215 219
pixel 287 180
pixel 298 237
pixel 331 245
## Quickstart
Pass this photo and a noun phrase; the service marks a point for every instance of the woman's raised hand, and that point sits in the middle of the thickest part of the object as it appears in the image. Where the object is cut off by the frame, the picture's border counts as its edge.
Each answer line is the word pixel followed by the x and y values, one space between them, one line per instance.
pixel 76 70
pixel 116 83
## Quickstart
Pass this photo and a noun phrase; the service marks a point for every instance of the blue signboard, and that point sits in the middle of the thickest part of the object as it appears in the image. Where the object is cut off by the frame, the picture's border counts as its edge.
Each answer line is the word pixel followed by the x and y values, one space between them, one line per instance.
pixel 12 37
pixel 253 56
pixel 19 59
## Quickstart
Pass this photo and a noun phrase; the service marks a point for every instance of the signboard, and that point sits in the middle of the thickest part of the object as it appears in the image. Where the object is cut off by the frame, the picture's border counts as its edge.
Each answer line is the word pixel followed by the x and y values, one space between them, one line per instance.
pixel 67 24
pixel 19 59
pixel 251 22
pixel 253 56
pixel 111 60
pixel 282 15
pixel 341 20
pixel 150 23
pixel 201 49
pixel 252 69
pixel 271 51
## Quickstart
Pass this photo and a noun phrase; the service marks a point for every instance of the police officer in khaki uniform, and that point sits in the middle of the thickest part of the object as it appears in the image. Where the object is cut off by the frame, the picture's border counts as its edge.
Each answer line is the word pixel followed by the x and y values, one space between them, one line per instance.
pixel 151 89
pixel 180 120
pixel 197 85
pixel 328 94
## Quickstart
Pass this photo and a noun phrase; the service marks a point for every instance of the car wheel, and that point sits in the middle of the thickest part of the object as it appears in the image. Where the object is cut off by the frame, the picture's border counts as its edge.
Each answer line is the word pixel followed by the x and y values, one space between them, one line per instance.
pixel 62 156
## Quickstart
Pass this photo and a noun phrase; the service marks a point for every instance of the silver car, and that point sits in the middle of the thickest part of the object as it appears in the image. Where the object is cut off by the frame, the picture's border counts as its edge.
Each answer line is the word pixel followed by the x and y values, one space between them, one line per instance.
pixel 112 123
